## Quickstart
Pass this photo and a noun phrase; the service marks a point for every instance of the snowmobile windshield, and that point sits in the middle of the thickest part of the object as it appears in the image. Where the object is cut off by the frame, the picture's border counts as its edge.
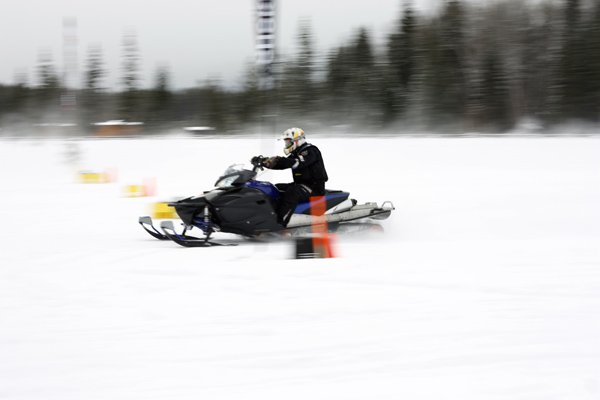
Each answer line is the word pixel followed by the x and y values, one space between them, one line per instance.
pixel 233 168
pixel 234 175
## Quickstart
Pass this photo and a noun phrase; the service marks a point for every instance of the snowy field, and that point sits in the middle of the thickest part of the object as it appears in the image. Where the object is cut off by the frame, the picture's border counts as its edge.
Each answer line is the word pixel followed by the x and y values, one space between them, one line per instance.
pixel 485 285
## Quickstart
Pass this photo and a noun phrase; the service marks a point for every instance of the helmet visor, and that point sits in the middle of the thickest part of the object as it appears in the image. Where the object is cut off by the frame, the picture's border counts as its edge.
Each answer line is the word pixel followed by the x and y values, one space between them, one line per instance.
pixel 288 143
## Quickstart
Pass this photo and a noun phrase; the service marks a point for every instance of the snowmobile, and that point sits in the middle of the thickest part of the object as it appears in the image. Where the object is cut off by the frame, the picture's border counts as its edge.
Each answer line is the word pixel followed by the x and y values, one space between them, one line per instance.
pixel 240 204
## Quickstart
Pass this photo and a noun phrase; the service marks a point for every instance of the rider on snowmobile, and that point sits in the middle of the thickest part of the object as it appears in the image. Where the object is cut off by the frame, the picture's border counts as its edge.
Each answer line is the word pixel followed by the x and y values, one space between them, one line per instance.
pixel 308 172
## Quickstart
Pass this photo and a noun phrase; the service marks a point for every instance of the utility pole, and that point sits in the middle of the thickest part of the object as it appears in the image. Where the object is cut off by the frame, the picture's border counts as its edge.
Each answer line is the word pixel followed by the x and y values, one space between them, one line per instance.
pixel 265 56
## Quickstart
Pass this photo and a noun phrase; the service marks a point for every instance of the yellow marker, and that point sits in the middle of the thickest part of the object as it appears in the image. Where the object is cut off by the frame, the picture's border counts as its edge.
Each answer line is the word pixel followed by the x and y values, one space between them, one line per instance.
pixel 163 211
pixel 135 191
pixel 92 177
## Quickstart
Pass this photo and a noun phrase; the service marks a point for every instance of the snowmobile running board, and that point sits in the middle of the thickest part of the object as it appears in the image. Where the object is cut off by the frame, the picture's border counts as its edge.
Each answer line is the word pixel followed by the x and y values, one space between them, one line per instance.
pixel 357 212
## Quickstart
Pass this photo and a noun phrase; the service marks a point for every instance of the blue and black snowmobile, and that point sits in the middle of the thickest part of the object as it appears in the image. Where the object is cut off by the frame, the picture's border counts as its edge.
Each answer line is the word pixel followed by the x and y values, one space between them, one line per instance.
pixel 242 205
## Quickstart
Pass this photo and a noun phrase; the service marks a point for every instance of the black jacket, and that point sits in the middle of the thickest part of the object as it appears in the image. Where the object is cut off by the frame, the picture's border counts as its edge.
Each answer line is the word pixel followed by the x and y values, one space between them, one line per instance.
pixel 307 166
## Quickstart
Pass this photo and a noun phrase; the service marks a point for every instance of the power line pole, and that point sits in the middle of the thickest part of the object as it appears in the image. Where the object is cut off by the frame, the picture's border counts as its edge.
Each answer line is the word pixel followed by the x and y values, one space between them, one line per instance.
pixel 265 56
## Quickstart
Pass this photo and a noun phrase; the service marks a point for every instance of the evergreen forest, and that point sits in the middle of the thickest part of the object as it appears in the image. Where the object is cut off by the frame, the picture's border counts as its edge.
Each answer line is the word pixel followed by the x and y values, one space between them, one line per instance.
pixel 467 68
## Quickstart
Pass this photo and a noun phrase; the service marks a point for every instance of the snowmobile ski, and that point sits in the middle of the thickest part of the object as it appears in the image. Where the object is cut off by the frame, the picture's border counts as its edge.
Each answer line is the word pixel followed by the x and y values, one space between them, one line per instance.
pixel 188 241
pixel 147 221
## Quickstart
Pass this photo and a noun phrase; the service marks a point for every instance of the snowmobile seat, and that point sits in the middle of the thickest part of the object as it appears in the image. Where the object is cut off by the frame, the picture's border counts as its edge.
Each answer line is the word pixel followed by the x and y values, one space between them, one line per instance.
pixel 332 199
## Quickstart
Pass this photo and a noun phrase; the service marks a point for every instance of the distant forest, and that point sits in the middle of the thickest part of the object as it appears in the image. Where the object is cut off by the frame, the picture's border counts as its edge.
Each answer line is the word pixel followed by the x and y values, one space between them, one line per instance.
pixel 466 68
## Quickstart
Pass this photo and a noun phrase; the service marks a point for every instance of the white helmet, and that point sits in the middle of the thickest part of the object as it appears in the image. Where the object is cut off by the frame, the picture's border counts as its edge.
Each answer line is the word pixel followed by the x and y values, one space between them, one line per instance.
pixel 293 138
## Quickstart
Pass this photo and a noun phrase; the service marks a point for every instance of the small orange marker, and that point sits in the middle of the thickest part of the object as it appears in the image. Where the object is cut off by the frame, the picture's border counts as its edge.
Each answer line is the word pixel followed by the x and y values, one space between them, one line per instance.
pixel 320 237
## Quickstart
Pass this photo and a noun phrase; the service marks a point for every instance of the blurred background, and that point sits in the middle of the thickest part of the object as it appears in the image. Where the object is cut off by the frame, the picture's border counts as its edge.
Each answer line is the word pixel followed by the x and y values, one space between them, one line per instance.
pixel 485 285
pixel 458 66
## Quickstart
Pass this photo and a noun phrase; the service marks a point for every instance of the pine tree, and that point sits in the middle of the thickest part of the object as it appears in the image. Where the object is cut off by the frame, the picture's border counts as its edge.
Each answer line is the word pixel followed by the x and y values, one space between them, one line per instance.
pixel 95 72
pixel 364 80
pixel 494 94
pixel 576 82
pixel 17 96
pixel 248 106
pixel 338 84
pixel 593 52
pixel 401 57
pixel 216 100
pixel 297 85
pixel 94 89
pixel 161 96
pixel 401 47
pixel 49 83
pixel 537 59
pixel 363 52
pixel 445 83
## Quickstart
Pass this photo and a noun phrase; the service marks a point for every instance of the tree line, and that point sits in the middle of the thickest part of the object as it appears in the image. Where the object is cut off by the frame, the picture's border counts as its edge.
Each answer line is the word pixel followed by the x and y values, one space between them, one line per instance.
pixel 467 68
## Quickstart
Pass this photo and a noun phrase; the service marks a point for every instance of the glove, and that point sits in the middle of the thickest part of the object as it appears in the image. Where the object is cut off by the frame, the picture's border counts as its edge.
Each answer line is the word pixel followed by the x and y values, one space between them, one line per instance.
pixel 271 162
pixel 256 160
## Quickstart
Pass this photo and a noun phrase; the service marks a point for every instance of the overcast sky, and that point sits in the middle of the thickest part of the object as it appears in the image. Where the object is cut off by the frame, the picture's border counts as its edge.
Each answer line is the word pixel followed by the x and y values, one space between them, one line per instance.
pixel 196 39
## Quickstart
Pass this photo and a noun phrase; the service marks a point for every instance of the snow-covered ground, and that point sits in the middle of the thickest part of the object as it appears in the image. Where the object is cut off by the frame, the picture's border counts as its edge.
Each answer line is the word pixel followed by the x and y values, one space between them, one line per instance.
pixel 486 284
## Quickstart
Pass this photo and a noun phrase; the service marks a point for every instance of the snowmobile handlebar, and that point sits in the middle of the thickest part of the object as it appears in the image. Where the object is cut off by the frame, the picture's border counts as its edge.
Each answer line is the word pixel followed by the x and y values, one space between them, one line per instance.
pixel 259 163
